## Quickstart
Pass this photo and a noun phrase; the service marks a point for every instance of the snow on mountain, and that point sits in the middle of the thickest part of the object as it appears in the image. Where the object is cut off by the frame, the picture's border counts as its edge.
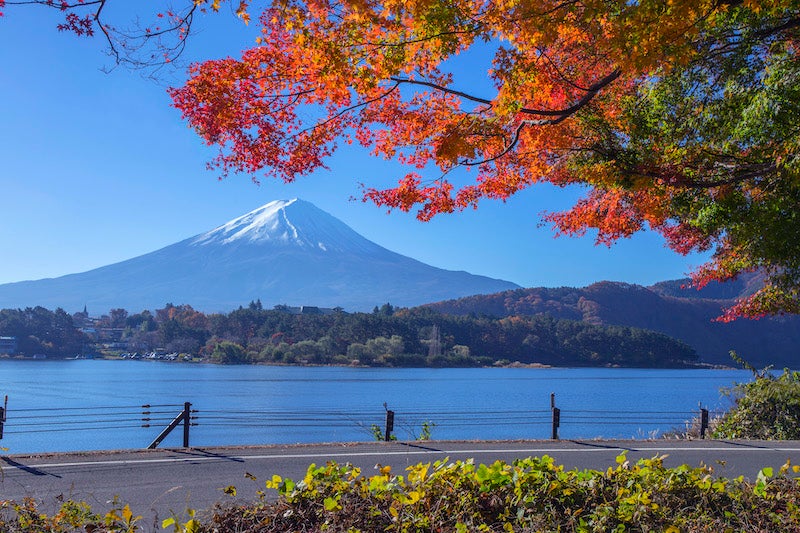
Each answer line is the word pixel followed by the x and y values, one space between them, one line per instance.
pixel 287 223
pixel 267 223
pixel 285 252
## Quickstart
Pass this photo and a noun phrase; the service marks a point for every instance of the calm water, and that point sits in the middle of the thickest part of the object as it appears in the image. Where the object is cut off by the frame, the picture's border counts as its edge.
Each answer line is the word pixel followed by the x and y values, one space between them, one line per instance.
pixel 85 405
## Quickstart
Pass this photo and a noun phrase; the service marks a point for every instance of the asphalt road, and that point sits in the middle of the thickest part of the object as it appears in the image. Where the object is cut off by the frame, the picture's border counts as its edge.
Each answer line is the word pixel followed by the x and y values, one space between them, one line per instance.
pixel 160 483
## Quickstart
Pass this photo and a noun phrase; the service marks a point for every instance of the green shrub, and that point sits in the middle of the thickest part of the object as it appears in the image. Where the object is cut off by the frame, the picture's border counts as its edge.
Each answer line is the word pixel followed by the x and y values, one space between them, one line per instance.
pixel 229 353
pixel 766 408
pixel 533 494
pixel 72 517
pixel 527 495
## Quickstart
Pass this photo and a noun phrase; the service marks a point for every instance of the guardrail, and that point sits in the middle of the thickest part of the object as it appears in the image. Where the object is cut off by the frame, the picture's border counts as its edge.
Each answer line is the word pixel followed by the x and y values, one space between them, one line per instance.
pixel 94 418
pixel 170 416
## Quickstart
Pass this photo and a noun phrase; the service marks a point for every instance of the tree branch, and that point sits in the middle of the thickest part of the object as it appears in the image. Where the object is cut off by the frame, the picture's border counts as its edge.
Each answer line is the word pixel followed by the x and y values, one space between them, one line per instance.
pixel 123 46
pixel 558 114
pixel 343 112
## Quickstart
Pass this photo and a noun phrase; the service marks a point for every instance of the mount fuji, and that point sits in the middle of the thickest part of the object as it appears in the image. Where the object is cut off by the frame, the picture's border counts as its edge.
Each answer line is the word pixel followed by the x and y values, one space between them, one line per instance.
pixel 285 252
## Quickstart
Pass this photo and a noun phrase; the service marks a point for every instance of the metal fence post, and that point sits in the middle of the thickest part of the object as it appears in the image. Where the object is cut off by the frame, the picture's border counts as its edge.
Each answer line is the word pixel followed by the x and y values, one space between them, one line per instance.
pixel 703 422
pixel 387 436
pixel 556 416
pixel 186 417
pixel 556 422
pixel 3 410
pixel 187 409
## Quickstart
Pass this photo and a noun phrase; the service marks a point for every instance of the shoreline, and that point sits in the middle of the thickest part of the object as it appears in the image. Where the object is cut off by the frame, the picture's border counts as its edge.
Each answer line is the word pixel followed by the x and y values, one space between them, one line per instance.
pixel 514 364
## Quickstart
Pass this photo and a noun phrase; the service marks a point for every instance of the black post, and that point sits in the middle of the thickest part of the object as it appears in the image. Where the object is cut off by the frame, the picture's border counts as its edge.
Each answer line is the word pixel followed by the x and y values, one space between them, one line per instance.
pixel 556 416
pixel 187 409
pixel 185 417
pixel 387 436
pixel 703 422
pixel 3 410
pixel 556 422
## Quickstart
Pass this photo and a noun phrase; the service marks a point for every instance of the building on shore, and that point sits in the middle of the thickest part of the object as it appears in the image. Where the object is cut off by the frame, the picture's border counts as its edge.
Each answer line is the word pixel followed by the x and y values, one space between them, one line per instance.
pixel 8 345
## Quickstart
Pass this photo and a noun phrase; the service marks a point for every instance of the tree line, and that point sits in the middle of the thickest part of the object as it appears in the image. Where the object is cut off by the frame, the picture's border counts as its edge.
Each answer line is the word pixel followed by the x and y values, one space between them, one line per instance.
pixel 388 336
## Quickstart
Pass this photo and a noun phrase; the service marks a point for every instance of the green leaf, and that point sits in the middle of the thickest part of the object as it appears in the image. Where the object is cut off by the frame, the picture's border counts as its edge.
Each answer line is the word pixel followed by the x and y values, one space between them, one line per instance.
pixel 482 473
pixel 331 504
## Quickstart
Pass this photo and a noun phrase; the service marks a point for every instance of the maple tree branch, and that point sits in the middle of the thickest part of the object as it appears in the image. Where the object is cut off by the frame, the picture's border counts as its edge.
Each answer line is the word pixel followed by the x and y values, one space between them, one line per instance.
pixel 59 6
pixel 504 152
pixel 443 89
pixel 344 111
pixel 184 20
pixel 121 44
pixel 417 40
pixel 561 74
pixel 182 25
pixel 558 114
pixel 591 92
pixel 747 172
pixel 788 25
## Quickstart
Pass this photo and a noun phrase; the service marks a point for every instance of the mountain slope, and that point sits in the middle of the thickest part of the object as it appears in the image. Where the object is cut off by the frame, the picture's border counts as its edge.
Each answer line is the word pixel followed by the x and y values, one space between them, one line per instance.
pixel 689 318
pixel 286 252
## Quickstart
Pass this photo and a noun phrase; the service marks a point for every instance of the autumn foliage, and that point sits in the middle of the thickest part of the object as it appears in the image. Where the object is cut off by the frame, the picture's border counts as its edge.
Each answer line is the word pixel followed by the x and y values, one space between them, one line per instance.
pixel 677 116
pixel 674 115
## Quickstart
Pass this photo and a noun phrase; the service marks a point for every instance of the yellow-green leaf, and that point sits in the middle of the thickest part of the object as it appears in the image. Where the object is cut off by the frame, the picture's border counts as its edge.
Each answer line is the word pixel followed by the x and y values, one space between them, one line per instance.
pixel 331 504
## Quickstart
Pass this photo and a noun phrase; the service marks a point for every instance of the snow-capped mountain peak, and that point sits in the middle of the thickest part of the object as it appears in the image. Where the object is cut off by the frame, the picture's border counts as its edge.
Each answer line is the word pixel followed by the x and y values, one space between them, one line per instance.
pixel 270 223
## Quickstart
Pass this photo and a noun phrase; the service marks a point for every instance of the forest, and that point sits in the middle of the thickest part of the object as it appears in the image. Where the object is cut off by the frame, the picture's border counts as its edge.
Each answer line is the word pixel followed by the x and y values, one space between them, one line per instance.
pixel 388 336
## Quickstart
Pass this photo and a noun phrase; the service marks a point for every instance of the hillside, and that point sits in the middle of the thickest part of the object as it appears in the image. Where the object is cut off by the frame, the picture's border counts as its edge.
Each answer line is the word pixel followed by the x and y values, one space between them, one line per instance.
pixel 393 337
pixel 684 314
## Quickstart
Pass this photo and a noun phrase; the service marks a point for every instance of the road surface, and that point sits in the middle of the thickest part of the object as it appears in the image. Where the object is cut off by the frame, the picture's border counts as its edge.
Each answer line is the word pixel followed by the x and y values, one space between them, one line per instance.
pixel 160 483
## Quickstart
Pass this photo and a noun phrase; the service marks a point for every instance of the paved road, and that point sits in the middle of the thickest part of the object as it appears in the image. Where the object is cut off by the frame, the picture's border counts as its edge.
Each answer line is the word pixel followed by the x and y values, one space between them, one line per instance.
pixel 157 483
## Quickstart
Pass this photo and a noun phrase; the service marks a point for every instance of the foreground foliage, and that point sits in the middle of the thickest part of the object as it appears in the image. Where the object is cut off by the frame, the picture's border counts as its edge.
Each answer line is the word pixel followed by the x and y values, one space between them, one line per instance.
pixel 72 516
pixel 533 494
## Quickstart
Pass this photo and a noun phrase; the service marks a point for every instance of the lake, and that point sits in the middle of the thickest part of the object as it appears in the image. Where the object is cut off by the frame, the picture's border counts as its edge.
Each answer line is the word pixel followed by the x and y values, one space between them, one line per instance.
pixel 90 405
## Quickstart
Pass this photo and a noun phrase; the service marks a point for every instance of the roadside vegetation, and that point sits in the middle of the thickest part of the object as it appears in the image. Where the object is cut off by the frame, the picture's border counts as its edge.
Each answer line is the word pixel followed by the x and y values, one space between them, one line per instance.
pixel 766 408
pixel 532 494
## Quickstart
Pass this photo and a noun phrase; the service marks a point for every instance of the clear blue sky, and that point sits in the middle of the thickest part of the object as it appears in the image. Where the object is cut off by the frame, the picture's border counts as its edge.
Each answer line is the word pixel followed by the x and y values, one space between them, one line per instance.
pixel 98 168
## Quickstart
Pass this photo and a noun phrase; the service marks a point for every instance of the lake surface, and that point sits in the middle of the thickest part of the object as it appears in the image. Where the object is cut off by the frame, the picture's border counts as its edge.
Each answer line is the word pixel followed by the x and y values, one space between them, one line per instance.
pixel 89 405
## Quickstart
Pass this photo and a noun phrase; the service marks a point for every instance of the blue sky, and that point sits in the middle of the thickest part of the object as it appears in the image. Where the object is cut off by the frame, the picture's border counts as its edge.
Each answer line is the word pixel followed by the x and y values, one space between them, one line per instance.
pixel 98 168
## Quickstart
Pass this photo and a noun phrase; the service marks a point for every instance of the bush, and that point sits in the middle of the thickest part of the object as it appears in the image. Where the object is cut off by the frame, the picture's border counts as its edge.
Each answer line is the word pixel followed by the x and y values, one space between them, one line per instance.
pixel 766 408
pixel 72 517
pixel 229 353
pixel 532 494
